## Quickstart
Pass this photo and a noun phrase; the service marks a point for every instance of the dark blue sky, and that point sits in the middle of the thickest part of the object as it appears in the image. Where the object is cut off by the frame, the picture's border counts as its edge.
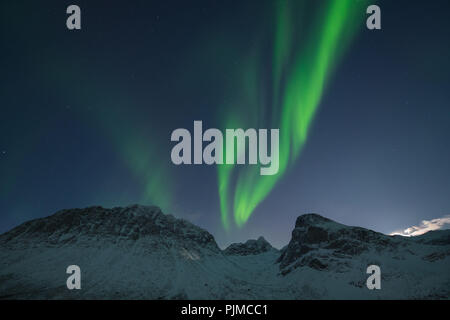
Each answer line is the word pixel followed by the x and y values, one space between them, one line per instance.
pixel 79 108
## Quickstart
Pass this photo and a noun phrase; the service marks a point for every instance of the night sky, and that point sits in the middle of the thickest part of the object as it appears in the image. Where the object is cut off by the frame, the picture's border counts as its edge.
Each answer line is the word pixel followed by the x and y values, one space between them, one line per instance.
pixel 86 115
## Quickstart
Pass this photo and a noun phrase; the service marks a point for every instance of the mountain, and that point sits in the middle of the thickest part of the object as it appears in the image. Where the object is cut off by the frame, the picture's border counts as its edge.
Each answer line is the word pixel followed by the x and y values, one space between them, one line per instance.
pixel 138 252
pixel 82 227
pixel 250 247
pixel 319 243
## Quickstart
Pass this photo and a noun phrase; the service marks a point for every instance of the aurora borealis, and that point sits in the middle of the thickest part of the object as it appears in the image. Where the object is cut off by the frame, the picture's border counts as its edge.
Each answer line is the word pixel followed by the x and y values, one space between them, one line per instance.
pixel 363 115
pixel 299 78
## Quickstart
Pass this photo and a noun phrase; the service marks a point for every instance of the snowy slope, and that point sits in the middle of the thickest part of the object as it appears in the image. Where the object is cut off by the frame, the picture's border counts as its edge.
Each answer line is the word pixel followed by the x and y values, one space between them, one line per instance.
pixel 138 252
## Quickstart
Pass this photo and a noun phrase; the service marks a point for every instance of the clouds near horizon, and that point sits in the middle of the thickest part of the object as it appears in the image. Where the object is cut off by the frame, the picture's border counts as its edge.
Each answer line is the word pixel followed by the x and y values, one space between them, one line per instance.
pixel 424 227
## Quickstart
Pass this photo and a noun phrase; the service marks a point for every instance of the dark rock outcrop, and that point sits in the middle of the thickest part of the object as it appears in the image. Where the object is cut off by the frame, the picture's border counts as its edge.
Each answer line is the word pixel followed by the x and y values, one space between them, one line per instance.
pixel 317 242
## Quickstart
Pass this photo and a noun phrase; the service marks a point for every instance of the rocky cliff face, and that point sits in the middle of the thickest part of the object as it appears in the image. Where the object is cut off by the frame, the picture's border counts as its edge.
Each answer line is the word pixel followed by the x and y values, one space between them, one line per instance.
pixel 114 226
pixel 319 242
pixel 138 252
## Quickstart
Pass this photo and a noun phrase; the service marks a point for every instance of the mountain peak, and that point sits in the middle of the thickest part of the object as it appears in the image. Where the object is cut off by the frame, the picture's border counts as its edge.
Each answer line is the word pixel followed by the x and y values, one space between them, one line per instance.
pixel 250 247
pixel 311 219
pixel 120 224
pixel 261 239
pixel 314 233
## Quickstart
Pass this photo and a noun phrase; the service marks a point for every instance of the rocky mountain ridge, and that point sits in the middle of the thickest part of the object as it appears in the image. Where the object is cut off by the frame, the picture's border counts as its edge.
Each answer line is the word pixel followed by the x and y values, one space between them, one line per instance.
pixel 138 252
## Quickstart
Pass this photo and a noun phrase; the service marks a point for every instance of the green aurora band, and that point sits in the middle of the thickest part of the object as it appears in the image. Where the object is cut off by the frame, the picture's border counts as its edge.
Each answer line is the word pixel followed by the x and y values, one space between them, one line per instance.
pixel 299 77
pixel 140 157
pixel 127 135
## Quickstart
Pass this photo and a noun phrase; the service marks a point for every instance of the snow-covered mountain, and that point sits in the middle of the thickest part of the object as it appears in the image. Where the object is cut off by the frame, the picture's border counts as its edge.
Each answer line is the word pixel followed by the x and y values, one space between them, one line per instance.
pixel 137 252
pixel 250 247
